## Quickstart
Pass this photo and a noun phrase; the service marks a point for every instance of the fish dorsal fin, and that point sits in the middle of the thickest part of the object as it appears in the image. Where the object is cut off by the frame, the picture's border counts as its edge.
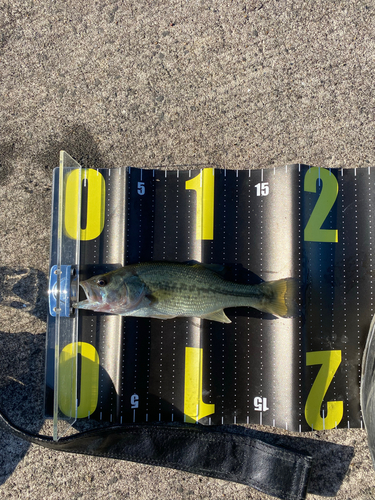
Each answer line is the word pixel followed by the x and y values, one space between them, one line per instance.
pixel 217 316
pixel 216 268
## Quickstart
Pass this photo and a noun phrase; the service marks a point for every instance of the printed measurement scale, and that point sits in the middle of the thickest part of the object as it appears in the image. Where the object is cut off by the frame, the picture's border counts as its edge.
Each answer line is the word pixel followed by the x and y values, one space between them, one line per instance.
pixel 296 373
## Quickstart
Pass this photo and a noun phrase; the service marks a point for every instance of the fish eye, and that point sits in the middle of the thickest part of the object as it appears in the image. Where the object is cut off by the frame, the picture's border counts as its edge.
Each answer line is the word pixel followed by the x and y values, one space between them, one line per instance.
pixel 101 282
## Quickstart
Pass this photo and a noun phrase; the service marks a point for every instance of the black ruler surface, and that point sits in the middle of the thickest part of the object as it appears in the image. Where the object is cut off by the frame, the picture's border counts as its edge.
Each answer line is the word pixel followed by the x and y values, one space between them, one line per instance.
pixel 297 373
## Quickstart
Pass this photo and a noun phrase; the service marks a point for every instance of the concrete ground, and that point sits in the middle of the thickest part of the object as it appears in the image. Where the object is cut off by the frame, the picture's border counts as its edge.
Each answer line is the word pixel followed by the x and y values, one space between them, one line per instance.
pixel 235 84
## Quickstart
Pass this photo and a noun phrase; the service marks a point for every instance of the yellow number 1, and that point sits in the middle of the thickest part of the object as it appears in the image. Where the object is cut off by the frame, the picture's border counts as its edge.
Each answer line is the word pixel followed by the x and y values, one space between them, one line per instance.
pixel 204 185
pixel 194 407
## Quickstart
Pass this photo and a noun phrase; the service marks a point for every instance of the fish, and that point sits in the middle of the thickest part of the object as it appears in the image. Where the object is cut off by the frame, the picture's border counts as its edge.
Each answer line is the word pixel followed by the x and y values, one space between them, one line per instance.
pixel 167 290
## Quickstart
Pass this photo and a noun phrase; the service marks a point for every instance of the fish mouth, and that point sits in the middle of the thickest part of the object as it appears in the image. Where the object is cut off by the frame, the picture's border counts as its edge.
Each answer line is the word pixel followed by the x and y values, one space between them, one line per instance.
pixel 109 301
pixel 96 302
pixel 93 299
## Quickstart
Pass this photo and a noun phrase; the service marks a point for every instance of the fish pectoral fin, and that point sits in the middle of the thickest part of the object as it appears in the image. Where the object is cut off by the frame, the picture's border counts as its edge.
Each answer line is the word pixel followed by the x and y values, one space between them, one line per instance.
pixel 218 315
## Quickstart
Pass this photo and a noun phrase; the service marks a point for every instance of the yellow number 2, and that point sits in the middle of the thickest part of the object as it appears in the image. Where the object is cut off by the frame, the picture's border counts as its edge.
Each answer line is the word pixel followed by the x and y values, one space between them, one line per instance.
pixel 326 200
pixel 330 361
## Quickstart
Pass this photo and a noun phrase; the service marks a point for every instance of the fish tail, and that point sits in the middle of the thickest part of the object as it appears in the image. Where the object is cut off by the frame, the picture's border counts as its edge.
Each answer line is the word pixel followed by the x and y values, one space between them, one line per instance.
pixel 280 297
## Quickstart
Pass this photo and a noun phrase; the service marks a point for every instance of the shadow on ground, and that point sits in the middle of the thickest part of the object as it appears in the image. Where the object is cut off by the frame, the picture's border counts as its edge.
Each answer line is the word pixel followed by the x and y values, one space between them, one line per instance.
pixel 24 289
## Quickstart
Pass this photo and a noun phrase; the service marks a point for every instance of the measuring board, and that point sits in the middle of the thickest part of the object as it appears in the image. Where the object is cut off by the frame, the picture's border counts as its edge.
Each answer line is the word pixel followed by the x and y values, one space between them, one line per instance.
pixel 297 373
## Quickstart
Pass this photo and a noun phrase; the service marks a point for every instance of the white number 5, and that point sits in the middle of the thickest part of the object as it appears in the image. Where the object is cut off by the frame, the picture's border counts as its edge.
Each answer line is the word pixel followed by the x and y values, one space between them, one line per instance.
pixel 141 188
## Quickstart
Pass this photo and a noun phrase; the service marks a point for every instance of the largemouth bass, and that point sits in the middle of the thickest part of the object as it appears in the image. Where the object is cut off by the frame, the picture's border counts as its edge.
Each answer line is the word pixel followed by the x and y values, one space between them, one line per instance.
pixel 168 290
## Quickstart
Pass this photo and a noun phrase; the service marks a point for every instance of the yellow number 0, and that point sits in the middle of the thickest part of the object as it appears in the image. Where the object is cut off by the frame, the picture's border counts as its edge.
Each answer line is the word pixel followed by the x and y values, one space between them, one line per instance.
pixel 330 361
pixel 204 185
pixel 89 388
pixel 95 204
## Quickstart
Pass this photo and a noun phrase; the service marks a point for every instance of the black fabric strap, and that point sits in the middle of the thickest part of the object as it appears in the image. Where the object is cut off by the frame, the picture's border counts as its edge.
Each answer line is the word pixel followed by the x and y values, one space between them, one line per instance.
pixel 233 456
